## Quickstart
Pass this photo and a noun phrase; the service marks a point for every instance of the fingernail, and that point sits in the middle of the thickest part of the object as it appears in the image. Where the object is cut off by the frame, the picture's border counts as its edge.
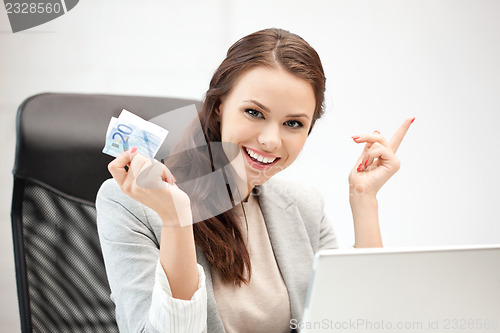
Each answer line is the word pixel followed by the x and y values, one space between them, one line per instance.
pixel 133 150
pixel 175 180
pixel 359 166
pixel 376 132
pixel 366 162
pixel 412 120
pixel 355 138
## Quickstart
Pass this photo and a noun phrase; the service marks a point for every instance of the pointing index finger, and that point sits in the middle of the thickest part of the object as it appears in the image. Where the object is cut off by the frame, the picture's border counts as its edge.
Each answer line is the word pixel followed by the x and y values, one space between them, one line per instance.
pixel 400 133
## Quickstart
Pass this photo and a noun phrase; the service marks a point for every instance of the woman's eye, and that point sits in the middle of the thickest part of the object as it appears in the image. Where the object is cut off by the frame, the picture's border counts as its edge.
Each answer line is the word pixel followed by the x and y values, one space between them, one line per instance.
pixel 254 113
pixel 294 124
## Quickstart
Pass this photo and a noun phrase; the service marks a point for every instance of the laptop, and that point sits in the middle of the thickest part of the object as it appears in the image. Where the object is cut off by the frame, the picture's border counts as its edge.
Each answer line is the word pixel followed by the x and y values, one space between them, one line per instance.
pixel 438 289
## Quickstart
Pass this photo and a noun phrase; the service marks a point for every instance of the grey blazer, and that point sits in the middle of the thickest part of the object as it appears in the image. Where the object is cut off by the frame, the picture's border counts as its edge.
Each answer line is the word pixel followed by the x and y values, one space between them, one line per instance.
pixel 130 232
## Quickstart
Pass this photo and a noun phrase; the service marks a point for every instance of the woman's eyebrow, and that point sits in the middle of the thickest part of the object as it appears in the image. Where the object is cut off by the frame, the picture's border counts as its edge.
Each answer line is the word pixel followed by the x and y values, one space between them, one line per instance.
pixel 265 108
pixel 260 105
pixel 298 115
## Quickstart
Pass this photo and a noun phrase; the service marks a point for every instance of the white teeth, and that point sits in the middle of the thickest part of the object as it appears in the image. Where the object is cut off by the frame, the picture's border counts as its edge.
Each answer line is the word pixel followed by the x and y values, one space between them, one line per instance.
pixel 260 158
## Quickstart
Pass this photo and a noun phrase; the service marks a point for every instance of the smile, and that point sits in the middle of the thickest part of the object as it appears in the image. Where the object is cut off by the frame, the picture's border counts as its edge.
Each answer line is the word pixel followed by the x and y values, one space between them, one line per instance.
pixel 259 161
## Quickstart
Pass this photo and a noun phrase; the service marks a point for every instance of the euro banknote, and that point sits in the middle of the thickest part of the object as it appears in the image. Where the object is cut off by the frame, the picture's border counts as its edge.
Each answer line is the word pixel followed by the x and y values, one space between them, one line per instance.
pixel 129 130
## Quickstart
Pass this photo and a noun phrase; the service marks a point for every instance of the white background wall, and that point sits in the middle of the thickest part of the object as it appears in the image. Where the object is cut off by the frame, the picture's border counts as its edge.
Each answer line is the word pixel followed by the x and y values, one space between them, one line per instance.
pixel 385 60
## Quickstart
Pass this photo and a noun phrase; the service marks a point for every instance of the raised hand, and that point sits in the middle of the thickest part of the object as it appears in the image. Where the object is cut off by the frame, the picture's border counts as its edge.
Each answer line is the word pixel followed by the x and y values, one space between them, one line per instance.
pixel 377 163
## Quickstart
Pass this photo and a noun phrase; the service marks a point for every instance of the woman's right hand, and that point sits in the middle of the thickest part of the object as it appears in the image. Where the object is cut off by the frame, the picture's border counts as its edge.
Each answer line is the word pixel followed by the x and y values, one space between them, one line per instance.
pixel 152 184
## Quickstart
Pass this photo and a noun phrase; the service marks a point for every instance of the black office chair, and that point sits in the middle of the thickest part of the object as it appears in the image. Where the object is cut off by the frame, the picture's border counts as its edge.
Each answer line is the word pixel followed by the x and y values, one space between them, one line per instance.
pixel 61 281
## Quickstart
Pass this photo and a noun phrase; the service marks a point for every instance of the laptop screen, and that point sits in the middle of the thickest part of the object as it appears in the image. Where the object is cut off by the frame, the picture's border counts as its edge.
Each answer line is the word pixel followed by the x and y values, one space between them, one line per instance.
pixel 452 289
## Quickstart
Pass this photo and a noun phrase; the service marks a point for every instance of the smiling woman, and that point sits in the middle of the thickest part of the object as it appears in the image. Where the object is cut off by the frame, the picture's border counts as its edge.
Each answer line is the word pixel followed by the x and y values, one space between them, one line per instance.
pixel 268 115
pixel 245 269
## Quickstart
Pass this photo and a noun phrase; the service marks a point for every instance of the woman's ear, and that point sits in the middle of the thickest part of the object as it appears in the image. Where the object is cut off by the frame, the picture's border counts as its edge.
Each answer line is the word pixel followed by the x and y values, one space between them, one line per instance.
pixel 218 112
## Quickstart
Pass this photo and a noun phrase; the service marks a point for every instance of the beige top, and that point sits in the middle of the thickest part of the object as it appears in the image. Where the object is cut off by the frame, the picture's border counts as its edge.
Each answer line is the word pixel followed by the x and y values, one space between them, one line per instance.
pixel 263 304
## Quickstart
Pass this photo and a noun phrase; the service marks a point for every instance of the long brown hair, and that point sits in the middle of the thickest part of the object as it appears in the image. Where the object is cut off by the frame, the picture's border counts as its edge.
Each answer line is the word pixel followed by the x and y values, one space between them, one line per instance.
pixel 219 237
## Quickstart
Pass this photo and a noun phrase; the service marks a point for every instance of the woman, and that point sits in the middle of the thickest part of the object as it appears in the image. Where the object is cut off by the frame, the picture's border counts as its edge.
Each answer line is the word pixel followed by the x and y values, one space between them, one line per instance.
pixel 247 268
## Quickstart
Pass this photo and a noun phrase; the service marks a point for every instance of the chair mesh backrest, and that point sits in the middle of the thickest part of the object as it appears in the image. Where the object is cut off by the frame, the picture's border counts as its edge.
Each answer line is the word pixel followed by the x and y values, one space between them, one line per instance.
pixel 61 279
pixel 68 289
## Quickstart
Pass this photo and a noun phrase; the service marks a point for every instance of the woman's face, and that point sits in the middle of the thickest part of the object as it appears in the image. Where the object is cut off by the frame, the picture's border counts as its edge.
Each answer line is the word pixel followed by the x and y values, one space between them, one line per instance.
pixel 267 114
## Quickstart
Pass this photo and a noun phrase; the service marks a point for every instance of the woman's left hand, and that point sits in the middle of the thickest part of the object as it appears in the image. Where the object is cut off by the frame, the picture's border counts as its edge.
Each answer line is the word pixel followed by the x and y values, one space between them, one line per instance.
pixel 377 162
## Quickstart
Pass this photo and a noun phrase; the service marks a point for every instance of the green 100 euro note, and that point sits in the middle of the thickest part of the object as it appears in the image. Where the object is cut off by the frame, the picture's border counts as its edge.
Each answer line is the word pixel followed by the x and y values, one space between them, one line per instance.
pixel 129 130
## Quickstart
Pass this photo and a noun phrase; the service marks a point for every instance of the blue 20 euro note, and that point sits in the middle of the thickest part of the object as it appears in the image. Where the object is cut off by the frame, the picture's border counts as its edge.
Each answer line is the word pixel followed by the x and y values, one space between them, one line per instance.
pixel 130 130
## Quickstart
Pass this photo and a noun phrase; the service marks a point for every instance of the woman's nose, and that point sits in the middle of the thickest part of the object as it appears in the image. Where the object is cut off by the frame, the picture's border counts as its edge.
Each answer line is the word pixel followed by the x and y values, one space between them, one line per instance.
pixel 270 137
